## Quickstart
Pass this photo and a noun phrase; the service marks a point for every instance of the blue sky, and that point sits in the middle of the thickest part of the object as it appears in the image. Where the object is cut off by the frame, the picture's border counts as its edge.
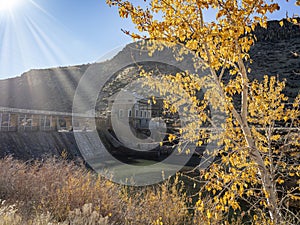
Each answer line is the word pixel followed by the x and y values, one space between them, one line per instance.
pixel 50 33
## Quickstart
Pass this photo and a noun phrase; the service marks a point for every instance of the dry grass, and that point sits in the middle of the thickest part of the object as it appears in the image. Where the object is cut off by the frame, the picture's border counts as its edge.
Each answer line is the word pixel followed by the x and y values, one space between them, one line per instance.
pixel 163 204
pixel 55 186
pixel 10 216
pixel 60 192
pixel 57 192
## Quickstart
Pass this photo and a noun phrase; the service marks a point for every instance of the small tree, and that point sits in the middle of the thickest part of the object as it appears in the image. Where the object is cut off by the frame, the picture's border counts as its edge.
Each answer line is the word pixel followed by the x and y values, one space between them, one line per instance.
pixel 255 156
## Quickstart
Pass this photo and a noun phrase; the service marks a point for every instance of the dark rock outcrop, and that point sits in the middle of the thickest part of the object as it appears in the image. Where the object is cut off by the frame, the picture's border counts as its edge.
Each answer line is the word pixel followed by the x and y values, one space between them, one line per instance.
pixel 275 32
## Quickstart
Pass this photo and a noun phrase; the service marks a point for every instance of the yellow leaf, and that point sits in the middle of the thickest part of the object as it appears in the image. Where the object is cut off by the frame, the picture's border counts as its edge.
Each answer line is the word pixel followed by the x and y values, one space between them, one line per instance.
pixel 248 29
pixel 208 214
pixel 280 181
pixel 294 21
pixel 294 197
pixel 171 137
pixel 281 23
pixel 199 143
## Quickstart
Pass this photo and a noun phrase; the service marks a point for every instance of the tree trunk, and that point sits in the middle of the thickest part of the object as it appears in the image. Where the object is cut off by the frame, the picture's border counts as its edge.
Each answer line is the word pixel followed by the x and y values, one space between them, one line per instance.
pixel 268 183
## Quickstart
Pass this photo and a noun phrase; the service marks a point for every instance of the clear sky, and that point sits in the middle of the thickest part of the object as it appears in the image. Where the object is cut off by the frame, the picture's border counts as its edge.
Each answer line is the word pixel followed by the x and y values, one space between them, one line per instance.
pixel 49 33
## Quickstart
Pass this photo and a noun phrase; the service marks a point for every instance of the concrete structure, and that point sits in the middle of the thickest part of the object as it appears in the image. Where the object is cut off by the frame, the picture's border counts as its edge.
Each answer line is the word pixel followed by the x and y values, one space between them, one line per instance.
pixel 130 106
pixel 18 120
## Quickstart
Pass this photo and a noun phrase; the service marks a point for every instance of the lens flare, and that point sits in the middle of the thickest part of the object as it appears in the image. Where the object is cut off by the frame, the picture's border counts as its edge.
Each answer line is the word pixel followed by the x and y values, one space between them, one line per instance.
pixel 29 38
pixel 6 5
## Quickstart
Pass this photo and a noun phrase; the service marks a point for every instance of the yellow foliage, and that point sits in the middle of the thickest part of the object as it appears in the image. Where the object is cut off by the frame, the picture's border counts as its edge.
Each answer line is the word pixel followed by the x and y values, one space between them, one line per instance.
pixel 281 23
pixel 250 147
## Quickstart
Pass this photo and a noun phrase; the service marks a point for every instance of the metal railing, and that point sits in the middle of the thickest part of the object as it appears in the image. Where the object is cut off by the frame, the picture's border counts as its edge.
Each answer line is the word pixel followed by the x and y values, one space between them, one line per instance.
pixel 44 112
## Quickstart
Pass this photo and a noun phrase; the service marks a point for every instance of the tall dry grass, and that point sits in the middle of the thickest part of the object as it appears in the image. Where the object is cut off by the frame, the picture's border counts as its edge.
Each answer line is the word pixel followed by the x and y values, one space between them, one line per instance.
pixel 55 186
pixel 58 191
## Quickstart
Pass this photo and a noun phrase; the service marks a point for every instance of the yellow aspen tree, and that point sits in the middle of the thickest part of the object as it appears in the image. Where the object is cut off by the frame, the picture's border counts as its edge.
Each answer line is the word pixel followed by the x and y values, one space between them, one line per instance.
pixel 251 166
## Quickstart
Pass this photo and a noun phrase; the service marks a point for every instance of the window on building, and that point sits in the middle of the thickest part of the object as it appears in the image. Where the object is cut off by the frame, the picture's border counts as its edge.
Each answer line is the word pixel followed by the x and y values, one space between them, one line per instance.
pixel 141 113
pixel 5 120
pixel 29 121
pixel 25 120
pixel 62 122
pixel 129 113
pixel 47 121
pixel 22 120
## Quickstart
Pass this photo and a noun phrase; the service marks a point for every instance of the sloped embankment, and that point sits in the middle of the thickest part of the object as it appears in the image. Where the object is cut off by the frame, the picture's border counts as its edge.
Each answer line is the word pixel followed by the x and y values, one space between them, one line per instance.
pixel 29 145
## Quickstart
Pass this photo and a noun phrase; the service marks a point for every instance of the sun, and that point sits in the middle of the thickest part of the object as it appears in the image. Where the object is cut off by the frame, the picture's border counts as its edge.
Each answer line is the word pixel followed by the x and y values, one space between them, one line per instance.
pixel 8 5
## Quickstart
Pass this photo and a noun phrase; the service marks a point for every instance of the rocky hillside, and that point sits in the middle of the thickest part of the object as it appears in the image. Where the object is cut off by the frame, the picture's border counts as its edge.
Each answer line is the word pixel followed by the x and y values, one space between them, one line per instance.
pixel 47 89
pixel 277 52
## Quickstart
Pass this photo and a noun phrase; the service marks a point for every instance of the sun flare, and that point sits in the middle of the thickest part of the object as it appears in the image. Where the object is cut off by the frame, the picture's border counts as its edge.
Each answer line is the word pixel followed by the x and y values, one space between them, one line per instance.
pixel 7 5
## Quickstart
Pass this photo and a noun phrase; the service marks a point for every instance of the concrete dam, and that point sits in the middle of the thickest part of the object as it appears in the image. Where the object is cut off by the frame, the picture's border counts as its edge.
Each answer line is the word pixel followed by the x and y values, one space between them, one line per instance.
pixel 28 134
